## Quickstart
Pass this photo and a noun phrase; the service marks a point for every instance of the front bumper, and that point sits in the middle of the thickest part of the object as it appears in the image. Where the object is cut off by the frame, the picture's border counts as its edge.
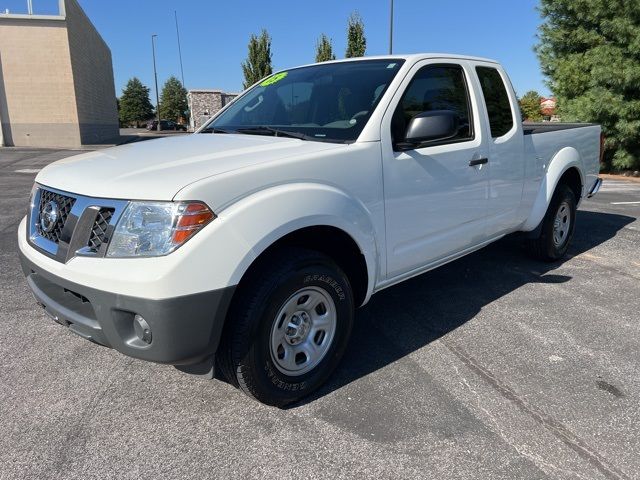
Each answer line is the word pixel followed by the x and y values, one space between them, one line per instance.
pixel 185 329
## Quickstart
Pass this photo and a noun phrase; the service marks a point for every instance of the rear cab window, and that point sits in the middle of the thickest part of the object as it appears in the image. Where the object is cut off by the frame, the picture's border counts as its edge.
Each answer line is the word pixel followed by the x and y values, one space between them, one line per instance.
pixel 496 99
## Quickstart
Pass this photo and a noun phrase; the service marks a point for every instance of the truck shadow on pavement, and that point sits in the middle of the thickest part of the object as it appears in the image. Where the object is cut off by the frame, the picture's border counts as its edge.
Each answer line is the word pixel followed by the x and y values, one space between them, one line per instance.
pixel 404 318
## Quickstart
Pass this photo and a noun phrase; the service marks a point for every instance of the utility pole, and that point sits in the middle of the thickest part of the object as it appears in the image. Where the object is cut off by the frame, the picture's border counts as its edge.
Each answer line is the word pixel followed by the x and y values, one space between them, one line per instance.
pixel 179 49
pixel 391 30
pixel 155 74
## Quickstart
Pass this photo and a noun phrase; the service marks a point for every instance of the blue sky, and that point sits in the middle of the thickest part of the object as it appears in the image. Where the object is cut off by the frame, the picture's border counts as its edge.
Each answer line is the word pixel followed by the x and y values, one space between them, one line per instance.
pixel 214 34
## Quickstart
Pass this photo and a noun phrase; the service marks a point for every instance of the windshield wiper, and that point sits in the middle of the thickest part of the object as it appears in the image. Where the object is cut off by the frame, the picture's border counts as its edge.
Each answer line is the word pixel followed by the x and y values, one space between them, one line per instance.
pixel 266 130
pixel 214 130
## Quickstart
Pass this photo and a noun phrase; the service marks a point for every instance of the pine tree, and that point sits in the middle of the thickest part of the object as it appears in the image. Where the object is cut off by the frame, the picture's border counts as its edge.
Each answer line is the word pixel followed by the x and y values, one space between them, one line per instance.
pixel 530 106
pixel 173 100
pixel 590 52
pixel 324 49
pixel 135 106
pixel 356 41
pixel 258 63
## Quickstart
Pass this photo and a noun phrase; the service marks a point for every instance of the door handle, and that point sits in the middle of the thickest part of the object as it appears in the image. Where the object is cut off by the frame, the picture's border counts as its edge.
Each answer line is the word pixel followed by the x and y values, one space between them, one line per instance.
pixel 478 161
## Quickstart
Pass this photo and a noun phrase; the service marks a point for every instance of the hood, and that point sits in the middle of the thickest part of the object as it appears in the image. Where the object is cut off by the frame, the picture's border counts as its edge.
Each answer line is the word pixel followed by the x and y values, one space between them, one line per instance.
pixel 158 169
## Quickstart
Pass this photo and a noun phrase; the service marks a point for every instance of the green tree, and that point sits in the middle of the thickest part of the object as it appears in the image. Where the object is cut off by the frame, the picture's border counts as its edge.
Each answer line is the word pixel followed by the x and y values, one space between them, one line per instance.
pixel 173 100
pixel 324 49
pixel 356 41
pixel 530 106
pixel 590 52
pixel 135 106
pixel 258 63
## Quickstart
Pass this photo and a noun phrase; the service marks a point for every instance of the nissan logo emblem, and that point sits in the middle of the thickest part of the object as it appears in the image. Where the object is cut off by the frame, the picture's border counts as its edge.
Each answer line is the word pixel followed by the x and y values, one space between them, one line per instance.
pixel 49 215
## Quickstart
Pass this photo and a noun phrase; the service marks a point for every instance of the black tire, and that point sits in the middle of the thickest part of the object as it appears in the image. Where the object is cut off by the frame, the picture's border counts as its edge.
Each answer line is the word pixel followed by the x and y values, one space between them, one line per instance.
pixel 545 247
pixel 245 354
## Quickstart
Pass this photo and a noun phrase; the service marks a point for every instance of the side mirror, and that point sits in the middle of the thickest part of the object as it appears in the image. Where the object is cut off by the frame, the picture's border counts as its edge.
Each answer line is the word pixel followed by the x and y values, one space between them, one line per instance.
pixel 430 127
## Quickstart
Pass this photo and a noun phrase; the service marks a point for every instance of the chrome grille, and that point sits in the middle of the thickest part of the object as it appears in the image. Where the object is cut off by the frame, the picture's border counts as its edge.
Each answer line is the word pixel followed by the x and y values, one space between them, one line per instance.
pixel 83 225
pixel 64 204
pixel 99 231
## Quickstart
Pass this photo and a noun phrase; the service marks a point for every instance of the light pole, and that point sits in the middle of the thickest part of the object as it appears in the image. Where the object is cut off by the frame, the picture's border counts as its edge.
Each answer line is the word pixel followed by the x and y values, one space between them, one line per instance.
pixel 391 30
pixel 155 74
pixel 175 13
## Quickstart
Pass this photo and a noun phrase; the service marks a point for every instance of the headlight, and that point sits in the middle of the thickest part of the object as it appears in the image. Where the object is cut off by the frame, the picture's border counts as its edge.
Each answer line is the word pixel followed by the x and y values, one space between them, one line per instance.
pixel 148 229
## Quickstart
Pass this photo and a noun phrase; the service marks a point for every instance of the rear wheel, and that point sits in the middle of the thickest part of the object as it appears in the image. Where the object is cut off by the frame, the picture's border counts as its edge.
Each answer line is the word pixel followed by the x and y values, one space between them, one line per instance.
pixel 288 327
pixel 557 226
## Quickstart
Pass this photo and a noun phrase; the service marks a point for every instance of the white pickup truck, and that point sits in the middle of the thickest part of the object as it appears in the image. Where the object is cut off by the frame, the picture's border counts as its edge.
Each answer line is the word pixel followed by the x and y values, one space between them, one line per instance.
pixel 245 247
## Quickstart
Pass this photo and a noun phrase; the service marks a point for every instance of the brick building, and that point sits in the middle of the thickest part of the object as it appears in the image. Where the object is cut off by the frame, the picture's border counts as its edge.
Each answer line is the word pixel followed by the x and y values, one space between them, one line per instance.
pixel 548 108
pixel 548 105
pixel 56 80
pixel 203 104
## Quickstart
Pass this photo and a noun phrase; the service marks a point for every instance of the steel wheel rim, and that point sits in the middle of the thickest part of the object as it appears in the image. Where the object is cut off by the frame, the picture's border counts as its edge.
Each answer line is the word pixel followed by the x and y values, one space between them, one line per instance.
pixel 303 330
pixel 562 224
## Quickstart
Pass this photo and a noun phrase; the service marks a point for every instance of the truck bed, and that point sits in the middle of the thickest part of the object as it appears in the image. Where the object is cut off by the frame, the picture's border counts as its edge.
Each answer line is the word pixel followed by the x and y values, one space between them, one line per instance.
pixel 540 149
pixel 532 128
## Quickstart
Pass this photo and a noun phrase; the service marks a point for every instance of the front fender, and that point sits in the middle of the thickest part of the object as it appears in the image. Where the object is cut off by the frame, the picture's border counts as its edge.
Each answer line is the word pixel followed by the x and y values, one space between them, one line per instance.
pixel 249 226
pixel 562 161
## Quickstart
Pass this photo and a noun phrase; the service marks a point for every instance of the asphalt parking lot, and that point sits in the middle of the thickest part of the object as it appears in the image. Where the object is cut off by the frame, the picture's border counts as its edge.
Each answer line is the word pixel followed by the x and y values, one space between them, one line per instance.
pixel 494 366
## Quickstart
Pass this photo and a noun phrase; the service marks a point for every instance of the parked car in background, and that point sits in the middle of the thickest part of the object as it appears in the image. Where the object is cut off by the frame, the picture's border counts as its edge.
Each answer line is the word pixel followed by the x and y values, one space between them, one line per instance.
pixel 173 126
pixel 247 246
pixel 166 125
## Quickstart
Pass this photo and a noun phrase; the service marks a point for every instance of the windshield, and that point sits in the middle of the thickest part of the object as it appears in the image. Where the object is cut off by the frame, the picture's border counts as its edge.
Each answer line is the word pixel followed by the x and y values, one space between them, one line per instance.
pixel 325 102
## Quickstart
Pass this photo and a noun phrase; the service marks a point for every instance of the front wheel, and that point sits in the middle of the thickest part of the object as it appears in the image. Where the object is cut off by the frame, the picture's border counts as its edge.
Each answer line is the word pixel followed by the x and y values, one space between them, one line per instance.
pixel 288 327
pixel 557 226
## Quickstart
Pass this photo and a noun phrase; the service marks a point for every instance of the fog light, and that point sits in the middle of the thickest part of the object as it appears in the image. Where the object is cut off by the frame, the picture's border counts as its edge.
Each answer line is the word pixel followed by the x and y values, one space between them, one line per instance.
pixel 142 328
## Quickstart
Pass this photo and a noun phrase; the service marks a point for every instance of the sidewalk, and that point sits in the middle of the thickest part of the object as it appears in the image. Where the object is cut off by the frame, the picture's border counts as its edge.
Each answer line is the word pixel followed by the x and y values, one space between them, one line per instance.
pixel 609 176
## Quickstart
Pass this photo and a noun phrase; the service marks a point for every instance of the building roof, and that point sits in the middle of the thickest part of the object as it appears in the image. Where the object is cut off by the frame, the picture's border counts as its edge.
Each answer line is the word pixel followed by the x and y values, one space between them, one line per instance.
pixel 211 90
pixel 205 90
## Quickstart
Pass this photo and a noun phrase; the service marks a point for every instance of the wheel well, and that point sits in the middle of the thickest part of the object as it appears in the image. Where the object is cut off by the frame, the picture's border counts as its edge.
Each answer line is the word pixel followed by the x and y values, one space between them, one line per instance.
pixel 571 178
pixel 333 242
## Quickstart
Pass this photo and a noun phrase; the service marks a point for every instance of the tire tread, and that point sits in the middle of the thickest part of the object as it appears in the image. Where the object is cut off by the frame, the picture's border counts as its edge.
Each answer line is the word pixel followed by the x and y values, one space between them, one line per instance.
pixel 542 247
pixel 253 293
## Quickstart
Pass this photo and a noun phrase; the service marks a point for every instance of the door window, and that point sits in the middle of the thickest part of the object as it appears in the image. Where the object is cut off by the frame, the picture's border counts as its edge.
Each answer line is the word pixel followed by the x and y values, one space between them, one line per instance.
pixel 435 87
pixel 497 101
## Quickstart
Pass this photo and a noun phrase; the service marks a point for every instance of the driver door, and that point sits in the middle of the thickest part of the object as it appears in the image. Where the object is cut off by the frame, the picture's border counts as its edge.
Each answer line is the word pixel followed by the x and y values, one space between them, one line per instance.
pixel 436 194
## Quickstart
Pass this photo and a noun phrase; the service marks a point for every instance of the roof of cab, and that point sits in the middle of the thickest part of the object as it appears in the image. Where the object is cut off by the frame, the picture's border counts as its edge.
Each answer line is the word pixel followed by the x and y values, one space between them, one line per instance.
pixel 421 56
pixel 410 57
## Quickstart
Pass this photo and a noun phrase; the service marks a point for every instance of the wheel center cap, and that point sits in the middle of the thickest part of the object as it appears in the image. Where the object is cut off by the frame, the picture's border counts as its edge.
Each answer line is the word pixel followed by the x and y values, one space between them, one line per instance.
pixel 298 328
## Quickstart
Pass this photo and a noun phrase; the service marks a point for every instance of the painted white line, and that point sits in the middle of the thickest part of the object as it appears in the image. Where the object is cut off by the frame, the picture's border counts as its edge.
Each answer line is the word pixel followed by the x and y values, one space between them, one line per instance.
pixel 625 203
pixel 28 170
